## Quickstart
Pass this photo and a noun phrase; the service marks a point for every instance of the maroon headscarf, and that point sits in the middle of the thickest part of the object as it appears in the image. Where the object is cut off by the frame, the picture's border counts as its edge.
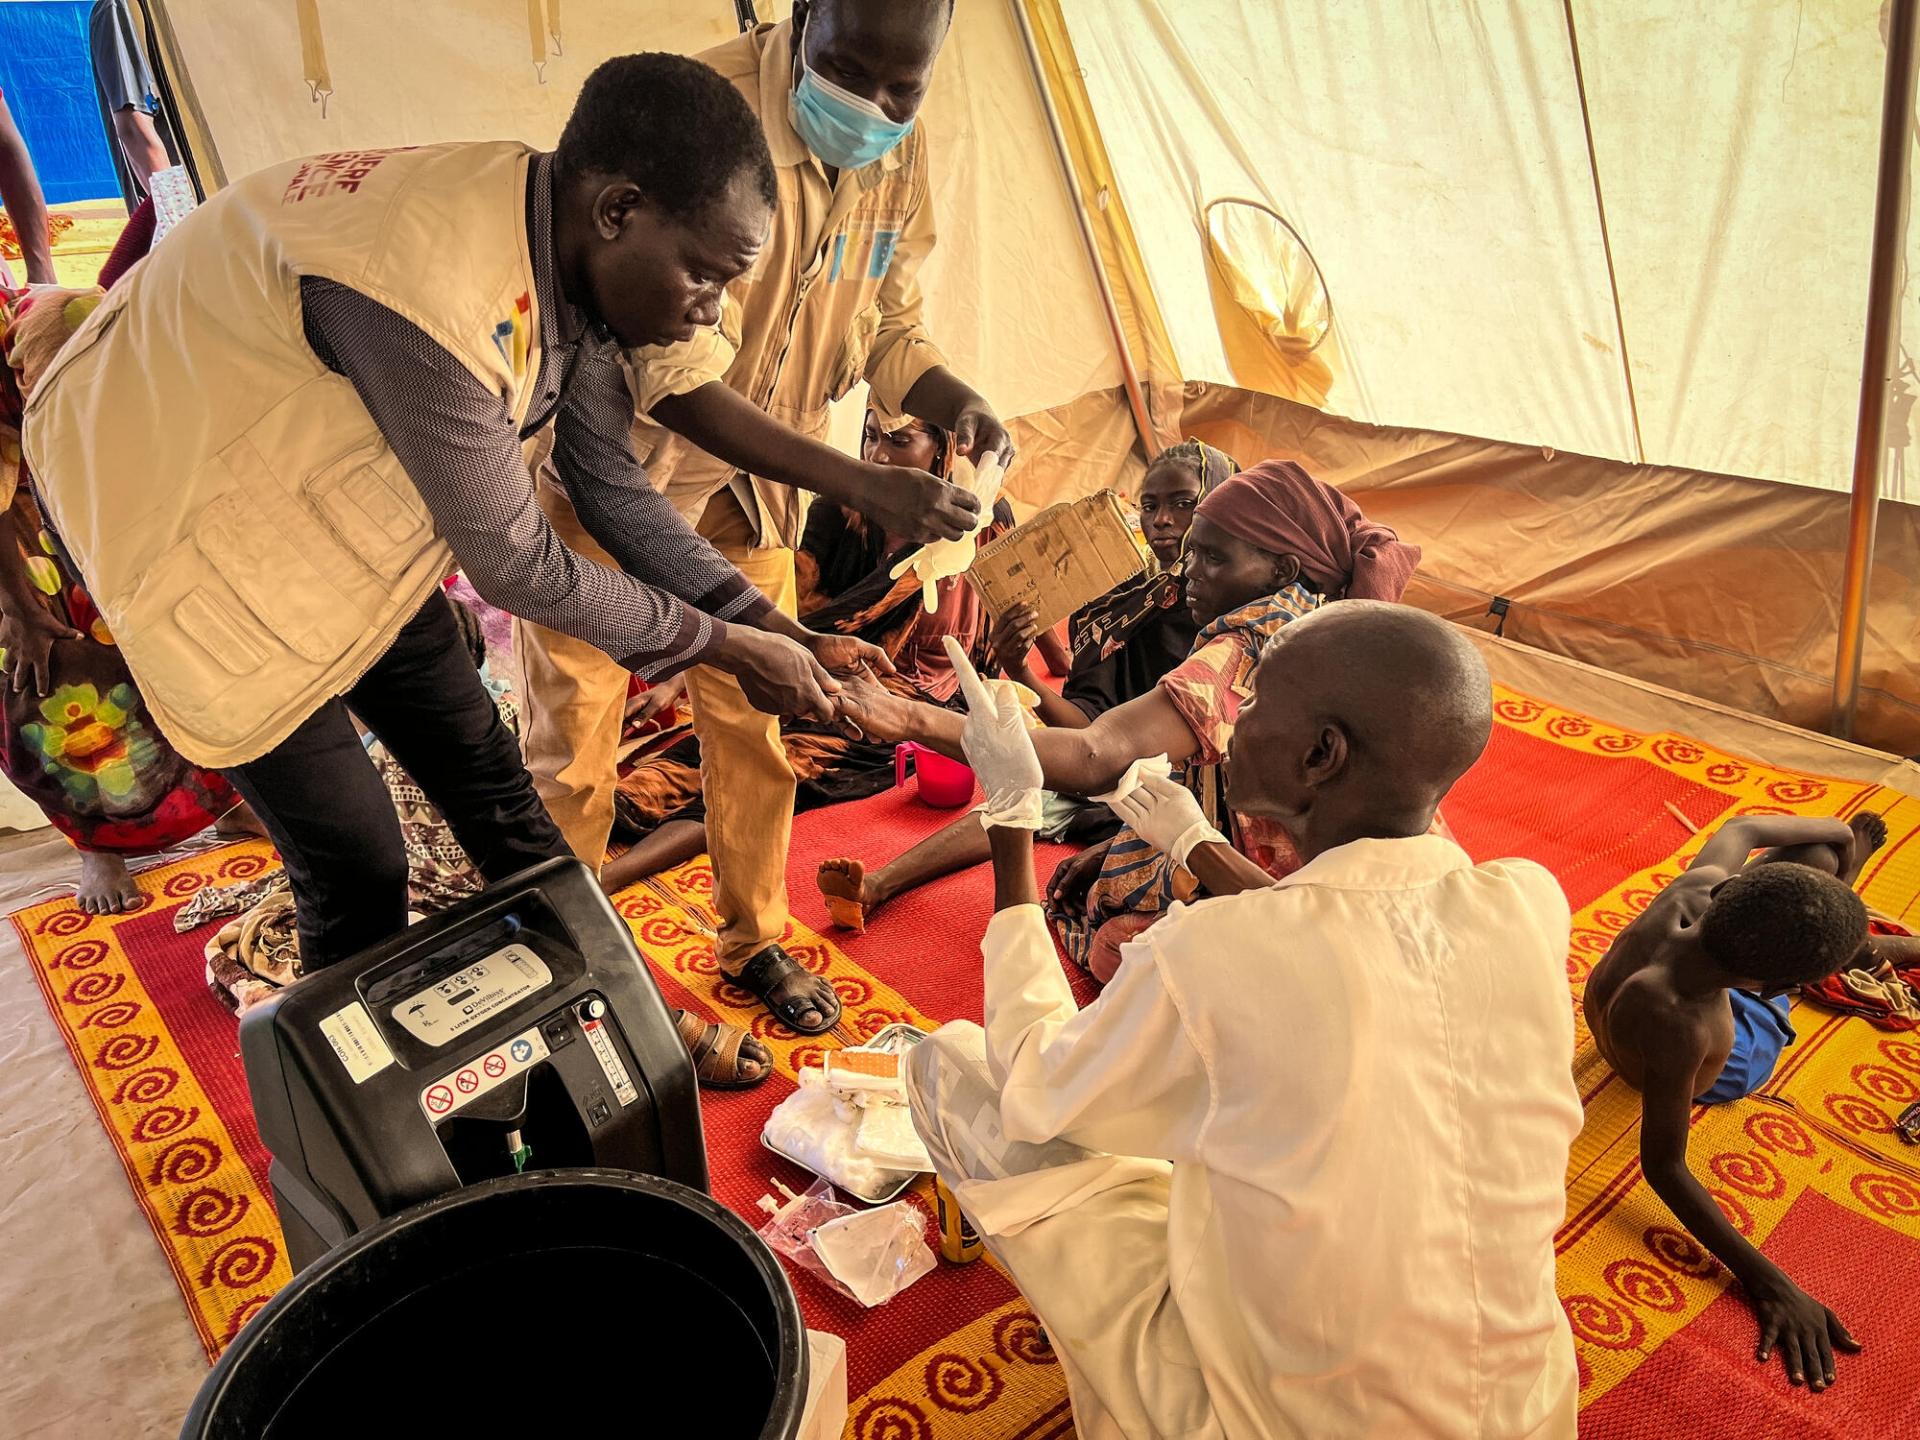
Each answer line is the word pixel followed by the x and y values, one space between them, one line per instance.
pixel 1279 507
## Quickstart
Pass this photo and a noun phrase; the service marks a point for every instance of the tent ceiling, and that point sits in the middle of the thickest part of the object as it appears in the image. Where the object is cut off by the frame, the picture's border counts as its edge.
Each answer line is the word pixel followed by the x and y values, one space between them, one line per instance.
pixel 1435 159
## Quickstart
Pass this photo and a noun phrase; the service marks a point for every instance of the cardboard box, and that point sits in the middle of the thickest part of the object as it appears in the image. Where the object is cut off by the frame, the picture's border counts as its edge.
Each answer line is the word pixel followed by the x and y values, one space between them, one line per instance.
pixel 1063 557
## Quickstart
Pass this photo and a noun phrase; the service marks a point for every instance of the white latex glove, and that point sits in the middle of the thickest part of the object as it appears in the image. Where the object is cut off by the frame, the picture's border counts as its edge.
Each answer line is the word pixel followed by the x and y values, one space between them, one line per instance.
pixel 1164 814
pixel 999 747
pixel 944 559
pixel 1149 765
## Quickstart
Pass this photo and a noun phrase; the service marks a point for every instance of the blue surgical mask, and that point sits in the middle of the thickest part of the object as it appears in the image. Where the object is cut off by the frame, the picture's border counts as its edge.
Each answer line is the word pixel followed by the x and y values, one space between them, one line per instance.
pixel 845 130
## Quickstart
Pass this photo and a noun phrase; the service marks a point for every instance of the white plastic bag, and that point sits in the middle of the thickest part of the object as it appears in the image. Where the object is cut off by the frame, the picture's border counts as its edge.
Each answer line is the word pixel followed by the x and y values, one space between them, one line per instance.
pixel 867 1255
pixel 875 1254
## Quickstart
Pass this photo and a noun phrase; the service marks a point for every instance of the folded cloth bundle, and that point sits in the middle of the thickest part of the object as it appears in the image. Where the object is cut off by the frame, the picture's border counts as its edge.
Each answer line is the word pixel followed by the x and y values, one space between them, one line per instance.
pixel 1882 994
pixel 885 1135
pixel 255 956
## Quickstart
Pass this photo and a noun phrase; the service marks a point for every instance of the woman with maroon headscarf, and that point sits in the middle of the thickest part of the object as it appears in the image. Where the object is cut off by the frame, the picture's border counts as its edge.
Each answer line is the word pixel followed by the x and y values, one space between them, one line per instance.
pixel 1266 547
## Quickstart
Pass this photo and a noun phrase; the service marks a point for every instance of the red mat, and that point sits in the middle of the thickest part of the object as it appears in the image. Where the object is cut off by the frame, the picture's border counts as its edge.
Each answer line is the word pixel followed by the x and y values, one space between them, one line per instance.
pixel 1809 1168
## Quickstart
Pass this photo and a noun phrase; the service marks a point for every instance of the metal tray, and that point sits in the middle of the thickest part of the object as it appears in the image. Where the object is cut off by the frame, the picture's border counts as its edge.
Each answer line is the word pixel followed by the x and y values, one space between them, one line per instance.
pixel 899 1039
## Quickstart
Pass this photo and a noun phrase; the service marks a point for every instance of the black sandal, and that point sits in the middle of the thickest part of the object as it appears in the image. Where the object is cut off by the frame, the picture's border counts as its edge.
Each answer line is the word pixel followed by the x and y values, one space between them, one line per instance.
pixel 773 968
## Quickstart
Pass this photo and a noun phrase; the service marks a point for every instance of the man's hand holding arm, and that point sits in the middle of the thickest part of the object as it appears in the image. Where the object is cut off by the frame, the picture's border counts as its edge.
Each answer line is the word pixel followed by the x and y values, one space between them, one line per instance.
pixel 458 444
pixel 781 666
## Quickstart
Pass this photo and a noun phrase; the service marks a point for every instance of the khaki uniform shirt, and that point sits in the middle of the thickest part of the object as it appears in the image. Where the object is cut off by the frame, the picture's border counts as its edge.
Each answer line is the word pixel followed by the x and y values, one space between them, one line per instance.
pixel 833 299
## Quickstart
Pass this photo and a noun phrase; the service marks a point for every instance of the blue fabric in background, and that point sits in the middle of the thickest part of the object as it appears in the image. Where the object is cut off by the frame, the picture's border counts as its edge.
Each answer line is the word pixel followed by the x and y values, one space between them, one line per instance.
pixel 47 73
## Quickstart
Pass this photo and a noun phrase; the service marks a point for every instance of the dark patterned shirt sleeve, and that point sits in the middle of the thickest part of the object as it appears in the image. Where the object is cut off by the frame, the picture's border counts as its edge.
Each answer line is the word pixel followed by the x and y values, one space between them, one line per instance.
pixel 459 446
pixel 593 456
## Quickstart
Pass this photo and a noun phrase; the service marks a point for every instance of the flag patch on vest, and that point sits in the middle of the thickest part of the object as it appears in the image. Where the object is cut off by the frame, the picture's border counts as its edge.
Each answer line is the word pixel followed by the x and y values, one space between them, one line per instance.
pixel 511 335
pixel 342 172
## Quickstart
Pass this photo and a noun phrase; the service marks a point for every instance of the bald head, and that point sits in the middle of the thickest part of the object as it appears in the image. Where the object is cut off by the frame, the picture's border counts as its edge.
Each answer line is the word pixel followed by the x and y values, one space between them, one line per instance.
pixel 1364 711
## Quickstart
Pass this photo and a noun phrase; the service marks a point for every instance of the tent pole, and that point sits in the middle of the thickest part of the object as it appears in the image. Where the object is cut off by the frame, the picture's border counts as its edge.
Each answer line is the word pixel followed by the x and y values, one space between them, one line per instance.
pixel 1876 370
pixel 1129 373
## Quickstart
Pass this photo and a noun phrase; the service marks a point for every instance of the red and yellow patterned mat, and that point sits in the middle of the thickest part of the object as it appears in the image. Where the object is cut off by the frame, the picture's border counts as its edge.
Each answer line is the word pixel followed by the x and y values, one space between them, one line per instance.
pixel 1810 1168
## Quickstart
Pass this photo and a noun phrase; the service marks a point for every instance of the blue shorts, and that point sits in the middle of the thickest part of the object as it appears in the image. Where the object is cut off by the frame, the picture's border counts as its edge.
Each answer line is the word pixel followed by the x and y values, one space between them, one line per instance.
pixel 1760 1032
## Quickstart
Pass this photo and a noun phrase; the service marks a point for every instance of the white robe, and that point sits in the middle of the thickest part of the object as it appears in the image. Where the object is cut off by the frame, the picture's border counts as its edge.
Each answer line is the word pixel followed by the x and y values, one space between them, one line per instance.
pixel 1297 1172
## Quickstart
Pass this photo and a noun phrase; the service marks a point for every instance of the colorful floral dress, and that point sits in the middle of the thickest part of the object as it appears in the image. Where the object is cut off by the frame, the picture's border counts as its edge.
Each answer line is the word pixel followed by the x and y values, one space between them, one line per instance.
pixel 87 752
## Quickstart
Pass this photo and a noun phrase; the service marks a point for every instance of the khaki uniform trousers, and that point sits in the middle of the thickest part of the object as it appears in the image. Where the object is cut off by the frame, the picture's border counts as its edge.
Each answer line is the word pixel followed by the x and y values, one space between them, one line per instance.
pixel 576 702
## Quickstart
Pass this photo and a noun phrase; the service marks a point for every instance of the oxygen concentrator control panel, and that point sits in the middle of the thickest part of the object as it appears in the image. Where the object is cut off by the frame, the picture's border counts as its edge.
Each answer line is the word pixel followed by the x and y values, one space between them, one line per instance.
pixel 520 1029
pixel 455 1004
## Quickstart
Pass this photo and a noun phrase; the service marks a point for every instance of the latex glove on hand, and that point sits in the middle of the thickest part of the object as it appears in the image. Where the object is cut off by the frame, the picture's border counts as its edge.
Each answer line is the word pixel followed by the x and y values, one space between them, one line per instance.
pixel 999 747
pixel 1157 766
pixel 1164 813
pixel 944 559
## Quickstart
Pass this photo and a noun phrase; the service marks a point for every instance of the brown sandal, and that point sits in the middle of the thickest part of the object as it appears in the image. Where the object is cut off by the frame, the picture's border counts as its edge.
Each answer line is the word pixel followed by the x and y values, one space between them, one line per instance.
pixel 715 1047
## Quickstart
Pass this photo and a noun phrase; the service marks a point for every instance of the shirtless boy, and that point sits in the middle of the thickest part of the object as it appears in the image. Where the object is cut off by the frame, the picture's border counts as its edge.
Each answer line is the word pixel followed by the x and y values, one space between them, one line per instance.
pixel 1689 1007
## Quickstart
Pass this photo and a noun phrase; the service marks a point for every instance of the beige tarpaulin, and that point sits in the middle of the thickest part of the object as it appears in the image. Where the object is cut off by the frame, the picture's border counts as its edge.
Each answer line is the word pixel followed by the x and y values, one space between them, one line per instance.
pixel 1434 158
pixel 1735 144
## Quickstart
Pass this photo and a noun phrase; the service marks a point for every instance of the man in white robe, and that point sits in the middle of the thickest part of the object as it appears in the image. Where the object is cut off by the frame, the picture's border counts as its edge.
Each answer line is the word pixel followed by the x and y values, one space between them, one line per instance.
pixel 1298 1170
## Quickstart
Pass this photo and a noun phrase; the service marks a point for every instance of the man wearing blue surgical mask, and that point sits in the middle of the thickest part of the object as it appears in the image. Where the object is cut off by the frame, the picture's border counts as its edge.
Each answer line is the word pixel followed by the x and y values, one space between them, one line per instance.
pixel 732 419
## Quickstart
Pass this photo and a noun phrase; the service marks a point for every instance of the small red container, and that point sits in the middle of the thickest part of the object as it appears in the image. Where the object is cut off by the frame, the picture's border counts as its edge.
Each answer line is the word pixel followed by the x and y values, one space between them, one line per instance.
pixel 944 784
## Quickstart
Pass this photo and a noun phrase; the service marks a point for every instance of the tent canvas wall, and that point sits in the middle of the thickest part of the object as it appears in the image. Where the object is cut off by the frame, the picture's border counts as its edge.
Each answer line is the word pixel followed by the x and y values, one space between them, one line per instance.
pixel 1571 294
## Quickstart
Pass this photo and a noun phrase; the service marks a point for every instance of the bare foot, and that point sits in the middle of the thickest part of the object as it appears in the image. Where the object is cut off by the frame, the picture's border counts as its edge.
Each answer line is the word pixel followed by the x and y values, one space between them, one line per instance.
pixel 240 820
pixel 1869 834
pixel 106 886
pixel 843 885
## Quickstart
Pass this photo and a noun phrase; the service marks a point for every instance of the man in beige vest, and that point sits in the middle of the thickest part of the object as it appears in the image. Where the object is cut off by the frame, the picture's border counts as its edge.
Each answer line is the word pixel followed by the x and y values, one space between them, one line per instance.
pixel 734 418
pixel 270 444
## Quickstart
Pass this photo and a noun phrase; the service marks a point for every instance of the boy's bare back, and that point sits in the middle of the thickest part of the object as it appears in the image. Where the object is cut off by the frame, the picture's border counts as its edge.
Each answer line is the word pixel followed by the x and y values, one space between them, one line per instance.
pixel 1634 1005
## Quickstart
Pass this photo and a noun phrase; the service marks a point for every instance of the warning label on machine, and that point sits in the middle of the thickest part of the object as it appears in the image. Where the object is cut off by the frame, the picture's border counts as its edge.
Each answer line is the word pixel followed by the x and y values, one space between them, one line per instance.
pixel 609 1059
pixel 482 1073
pixel 357 1041
pixel 450 1007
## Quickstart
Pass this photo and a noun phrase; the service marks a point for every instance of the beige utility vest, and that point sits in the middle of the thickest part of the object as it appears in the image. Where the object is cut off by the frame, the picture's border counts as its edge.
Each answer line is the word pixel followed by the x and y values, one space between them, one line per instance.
pixel 248 535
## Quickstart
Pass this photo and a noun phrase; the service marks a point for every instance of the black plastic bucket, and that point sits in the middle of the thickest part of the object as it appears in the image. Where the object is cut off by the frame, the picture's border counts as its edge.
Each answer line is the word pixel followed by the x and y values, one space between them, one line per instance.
pixel 568 1302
